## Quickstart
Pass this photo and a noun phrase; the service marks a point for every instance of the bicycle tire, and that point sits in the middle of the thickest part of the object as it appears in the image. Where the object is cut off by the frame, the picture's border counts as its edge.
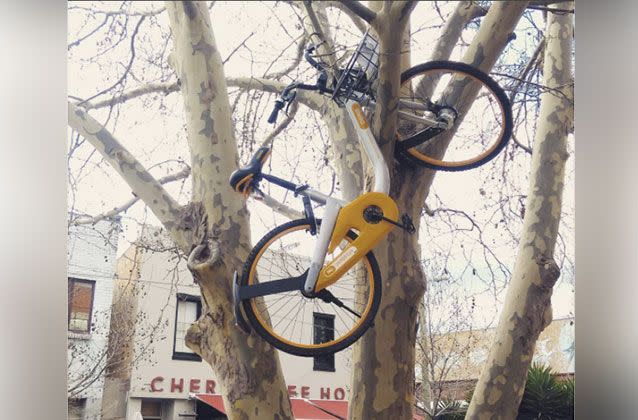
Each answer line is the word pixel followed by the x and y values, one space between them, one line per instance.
pixel 263 326
pixel 416 155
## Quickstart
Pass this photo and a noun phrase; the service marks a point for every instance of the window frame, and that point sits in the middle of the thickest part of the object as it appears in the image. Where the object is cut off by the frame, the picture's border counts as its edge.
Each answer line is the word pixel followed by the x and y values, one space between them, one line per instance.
pixel 184 297
pixel 73 280
pixel 153 400
pixel 326 362
pixel 78 405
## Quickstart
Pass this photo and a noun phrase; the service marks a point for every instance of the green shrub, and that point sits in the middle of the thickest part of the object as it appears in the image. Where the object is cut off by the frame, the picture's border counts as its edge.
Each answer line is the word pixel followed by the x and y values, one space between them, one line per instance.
pixel 545 397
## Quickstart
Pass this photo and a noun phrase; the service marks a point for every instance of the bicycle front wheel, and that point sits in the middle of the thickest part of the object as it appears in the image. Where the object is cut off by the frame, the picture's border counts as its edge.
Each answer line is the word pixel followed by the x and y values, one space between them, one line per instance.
pixel 295 323
pixel 483 116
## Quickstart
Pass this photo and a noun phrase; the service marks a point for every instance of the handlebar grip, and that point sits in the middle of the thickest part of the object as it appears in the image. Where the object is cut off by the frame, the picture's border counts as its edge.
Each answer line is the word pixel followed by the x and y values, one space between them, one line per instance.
pixel 279 104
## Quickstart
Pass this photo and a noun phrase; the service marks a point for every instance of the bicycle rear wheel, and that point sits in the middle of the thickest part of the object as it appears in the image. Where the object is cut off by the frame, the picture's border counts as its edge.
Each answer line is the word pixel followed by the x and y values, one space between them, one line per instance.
pixel 481 129
pixel 295 323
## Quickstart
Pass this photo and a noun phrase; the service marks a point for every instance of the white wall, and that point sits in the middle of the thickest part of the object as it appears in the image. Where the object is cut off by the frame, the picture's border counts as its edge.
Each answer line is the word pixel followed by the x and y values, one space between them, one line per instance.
pixel 92 256
pixel 161 278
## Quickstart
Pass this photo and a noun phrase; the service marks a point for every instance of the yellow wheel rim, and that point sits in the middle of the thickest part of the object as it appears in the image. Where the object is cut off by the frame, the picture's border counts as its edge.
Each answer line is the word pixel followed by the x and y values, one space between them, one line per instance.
pixel 451 164
pixel 266 325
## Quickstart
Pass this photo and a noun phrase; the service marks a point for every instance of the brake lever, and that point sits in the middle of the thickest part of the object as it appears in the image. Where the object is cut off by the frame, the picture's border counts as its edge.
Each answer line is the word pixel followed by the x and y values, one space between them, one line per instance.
pixel 292 98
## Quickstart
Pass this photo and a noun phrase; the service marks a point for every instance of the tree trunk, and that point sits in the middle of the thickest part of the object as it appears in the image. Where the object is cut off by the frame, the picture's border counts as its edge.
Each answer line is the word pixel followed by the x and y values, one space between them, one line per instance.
pixel 384 359
pixel 247 368
pixel 527 308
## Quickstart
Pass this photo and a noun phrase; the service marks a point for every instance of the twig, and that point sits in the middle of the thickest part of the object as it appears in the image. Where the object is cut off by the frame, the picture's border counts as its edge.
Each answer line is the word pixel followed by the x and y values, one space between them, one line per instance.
pixel 122 208
pixel 128 66
pixel 360 10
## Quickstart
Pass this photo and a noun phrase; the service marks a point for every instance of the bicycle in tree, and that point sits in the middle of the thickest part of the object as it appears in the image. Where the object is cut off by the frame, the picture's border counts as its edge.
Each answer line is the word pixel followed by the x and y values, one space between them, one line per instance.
pixel 311 269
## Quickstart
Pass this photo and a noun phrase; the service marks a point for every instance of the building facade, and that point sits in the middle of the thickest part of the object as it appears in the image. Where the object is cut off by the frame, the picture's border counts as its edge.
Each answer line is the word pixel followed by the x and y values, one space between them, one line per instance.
pixel 91 269
pixel 457 357
pixel 157 376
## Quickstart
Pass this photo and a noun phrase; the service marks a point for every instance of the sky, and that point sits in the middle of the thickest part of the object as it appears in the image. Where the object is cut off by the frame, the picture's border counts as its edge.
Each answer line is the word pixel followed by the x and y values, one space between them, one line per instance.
pixel 153 131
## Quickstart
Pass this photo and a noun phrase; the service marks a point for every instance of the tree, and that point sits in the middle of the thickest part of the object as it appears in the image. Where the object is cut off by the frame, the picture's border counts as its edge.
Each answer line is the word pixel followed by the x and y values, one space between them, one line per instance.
pixel 527 308
pixel 212 229
pixel 383 376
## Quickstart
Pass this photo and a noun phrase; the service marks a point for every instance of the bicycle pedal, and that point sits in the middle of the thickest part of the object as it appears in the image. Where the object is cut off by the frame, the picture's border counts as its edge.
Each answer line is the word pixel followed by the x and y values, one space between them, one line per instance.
pixel 240 321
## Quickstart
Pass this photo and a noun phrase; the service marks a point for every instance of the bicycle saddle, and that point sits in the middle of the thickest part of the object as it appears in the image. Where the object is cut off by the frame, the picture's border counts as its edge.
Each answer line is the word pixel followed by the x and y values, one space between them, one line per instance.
pixel 241 179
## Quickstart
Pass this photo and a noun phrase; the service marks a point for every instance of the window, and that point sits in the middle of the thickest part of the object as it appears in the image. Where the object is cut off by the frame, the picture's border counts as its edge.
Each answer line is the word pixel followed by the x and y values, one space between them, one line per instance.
pixel 323 330
pixel 151 409
pixel 76 408
pixel 188 309
pixel 80 304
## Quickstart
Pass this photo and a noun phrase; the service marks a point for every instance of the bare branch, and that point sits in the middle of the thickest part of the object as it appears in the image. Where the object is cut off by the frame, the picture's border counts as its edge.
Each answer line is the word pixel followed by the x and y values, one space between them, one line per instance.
pixel 318 30
pixel 521 145
pixel 165 88
pixel 311 99
pixel 358 22
pixel 360 10
pixel 295 62
pixel 403 9
pixel 528 67
pixel 128 66
pixel 278 207
pixel 242 44
pixel 122 208
pixel 119 12
pixel 291 116
pixel 547 2
pixel 143 184
pixel 77 41
pixel 464 12
pixel 551 10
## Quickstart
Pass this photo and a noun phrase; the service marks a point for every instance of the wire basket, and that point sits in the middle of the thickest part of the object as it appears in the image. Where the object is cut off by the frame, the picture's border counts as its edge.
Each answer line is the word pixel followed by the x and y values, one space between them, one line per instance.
pixel 358 76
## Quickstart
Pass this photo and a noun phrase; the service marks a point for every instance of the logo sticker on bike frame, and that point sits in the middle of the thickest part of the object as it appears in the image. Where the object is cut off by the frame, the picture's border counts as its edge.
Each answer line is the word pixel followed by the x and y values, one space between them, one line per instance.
pixel 340 260
pixel 358 113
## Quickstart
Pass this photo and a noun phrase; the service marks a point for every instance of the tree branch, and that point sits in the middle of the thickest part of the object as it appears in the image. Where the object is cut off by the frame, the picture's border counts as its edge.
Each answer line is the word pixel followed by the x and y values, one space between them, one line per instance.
pixel 184 173
pixel 165 88
pixel 127 69
pixel 358 22
pixel 143 184
pixel 403 9
pixel 464 12
pixel 295 62
pixel 360 10
pixel 285 123
pixel 119 12
pixel 328 54
pixel 310 99
pixel 278 207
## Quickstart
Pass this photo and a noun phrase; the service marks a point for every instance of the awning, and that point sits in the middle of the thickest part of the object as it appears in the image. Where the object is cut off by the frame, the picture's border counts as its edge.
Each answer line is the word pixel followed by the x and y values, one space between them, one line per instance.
pixel 213 400
pixel 306 410
pixel 339 408
pixel 302 409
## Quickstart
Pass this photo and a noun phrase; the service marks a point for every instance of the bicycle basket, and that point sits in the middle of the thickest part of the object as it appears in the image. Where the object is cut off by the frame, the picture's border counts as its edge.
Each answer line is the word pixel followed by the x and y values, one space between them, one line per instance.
pixel 358 76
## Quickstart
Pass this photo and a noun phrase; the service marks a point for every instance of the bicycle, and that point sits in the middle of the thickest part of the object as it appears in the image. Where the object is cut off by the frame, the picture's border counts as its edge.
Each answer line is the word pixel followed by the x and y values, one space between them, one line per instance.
pixel 340 284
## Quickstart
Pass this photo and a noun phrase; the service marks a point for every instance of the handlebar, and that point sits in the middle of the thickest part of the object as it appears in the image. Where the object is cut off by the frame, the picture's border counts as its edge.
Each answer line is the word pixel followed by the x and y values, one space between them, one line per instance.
pixel 279 105
pixel 288 94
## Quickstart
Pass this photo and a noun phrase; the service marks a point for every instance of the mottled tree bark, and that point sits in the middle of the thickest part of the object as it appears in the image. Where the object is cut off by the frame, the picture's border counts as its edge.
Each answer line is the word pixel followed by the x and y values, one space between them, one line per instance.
pixel 214 228
pixel 384 359
pixel 247 367
pixel 527 308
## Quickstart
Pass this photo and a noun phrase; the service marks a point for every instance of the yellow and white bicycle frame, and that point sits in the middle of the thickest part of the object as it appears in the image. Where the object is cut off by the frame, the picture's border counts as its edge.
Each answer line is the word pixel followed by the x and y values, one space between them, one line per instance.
pixel 341 216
